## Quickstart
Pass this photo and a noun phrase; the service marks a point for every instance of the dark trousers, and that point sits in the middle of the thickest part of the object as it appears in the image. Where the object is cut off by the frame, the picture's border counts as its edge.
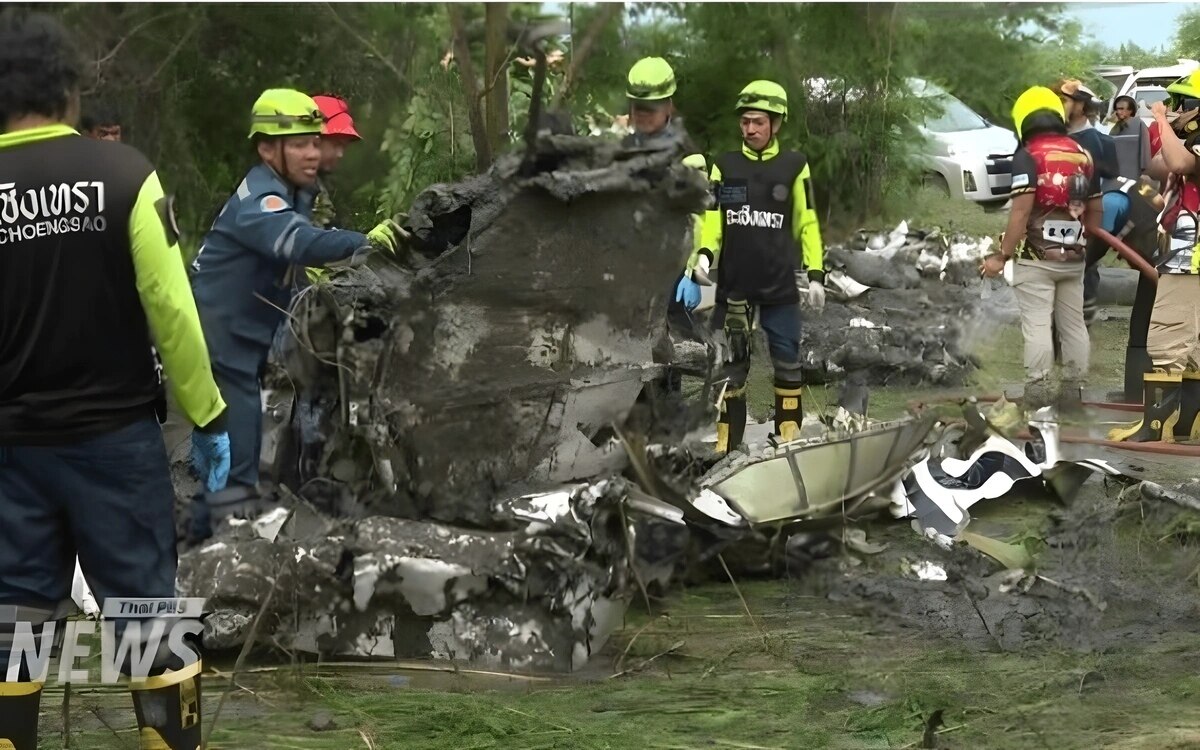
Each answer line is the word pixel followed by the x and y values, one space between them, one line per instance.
pixel 781 324
pixel 107 499
pixel 242 391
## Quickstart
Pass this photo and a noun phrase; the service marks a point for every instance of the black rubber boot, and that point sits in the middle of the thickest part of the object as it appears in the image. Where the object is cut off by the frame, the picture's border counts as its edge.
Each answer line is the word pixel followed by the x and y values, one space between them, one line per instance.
pixel 788 412
pixel 1160 403
pixel 168 710
pixel 19 705
pixel 731 420
pixel 1187 425
pixel 1137 364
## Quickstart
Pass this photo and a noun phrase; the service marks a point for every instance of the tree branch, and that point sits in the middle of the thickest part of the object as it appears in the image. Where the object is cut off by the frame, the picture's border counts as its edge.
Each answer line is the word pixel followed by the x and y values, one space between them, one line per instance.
pixel 387 61
pixel 580 53
pixel 99 63
pixel 466 69
pixel 170 55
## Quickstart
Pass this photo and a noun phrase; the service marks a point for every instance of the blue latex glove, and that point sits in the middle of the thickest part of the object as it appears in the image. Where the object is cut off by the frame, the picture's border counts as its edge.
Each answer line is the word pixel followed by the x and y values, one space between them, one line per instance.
pixel 688 292
pixel 210 458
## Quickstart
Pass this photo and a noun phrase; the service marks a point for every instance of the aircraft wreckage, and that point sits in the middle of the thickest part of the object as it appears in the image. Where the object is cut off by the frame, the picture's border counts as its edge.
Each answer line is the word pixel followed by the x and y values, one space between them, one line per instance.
pixel 464 438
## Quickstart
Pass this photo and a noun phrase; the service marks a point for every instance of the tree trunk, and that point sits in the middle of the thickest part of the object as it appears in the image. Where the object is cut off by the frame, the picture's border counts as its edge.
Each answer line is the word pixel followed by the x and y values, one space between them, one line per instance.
pixel 496 75
pixel 466 71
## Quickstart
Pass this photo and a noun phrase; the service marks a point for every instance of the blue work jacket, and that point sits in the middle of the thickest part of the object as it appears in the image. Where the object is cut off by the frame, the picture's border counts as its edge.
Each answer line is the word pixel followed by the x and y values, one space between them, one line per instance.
pixel 251 264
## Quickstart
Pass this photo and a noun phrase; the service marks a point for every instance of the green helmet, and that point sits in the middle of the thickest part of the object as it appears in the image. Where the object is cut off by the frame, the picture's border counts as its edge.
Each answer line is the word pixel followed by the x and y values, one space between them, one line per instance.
pixel 651 79
pixel 285 112
pixel 1187 87
pixel 764 96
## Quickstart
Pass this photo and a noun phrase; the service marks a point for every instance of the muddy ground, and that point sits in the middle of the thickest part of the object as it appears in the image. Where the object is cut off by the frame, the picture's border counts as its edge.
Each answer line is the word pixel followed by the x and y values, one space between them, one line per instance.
pixel 848 651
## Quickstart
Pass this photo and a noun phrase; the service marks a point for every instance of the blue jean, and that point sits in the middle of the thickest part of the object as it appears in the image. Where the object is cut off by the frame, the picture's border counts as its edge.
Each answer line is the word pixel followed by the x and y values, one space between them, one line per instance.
pixel 107 499
pixel 781 323
pixel 242 392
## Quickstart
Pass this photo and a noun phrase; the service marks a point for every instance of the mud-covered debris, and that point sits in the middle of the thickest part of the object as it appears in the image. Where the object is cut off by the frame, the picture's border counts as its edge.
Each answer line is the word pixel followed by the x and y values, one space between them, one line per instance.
pixel 500 351
pixel 542 589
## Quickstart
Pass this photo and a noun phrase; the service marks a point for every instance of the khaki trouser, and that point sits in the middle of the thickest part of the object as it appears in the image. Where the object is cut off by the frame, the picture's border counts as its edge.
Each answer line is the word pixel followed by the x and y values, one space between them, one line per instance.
pixel 1052 292
pixel 1173 340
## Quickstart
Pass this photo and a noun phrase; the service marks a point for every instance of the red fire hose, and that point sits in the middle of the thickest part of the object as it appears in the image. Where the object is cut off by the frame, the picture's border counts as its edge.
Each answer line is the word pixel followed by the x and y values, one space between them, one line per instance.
pixel 1130 255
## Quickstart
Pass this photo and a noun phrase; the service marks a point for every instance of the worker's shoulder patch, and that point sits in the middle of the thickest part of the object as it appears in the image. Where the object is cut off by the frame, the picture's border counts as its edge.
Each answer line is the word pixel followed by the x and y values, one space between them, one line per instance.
pixel 1020 180
pixel 273 204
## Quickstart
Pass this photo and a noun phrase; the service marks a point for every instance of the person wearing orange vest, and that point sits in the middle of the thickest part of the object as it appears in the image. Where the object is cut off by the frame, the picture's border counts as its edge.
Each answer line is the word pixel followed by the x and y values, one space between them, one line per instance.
pixel 1056 198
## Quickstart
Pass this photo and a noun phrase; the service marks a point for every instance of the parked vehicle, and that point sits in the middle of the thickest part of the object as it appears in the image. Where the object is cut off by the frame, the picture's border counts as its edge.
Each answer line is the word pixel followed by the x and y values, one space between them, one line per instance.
pixel 1146 86
pixel 959 148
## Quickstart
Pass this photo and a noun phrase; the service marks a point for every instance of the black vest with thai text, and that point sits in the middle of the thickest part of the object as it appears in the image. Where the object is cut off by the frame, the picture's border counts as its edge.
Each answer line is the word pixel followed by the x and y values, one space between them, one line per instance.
pixel 74 342
pixel 759 255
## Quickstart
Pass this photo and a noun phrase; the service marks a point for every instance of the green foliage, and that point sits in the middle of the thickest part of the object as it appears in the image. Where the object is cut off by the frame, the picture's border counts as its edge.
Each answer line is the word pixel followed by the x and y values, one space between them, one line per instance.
pixel 1187 34
pixel 428 142
pixel 184 76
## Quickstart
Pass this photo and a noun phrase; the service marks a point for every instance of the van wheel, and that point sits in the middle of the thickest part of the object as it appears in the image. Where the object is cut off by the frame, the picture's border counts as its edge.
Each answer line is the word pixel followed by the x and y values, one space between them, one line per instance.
pixel 937 182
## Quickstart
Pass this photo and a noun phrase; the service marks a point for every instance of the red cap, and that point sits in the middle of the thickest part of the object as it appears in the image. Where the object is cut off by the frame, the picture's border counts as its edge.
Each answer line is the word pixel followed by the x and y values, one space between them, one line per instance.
pixel 337 117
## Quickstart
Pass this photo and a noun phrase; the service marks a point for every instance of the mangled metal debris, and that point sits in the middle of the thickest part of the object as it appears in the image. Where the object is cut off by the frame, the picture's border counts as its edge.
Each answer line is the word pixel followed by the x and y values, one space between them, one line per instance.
pixel 525 322
pixel 446 402
pixel 939 490
pixel 812 477
pixel 542 589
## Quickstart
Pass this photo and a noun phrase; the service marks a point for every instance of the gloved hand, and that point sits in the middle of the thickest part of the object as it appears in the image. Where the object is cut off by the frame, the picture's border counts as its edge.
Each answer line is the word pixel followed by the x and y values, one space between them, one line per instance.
pixel 210 458
pixel 688 292
pixel 386 236
pixel 816 295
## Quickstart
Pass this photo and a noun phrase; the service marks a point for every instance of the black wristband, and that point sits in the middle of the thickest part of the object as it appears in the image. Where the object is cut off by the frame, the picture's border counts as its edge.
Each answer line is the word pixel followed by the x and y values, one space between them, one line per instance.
pixel 216 425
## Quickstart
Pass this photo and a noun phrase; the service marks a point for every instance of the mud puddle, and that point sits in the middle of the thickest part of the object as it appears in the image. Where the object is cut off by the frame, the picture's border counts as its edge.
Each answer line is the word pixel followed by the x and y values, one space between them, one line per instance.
pixel 1113 570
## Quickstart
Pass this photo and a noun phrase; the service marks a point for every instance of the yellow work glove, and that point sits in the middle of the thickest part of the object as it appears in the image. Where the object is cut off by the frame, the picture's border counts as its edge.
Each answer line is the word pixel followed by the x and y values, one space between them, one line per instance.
pixel 386 236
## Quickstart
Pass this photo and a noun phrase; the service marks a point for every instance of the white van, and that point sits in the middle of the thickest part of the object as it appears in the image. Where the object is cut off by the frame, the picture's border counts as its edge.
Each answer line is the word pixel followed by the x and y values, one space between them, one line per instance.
pixel 1147 85
pixel 963 153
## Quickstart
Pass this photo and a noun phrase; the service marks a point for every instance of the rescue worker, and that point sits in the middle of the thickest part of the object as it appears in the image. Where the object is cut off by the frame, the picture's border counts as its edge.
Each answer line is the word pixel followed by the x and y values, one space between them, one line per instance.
pixel 762 230
pixel 1079 103
pixel 1132 140
pixel 337 133
pixel 100 122
pixel 1056 196
pixel 1171 400
pixel 89 273
pixel 245 273
pixel 650 90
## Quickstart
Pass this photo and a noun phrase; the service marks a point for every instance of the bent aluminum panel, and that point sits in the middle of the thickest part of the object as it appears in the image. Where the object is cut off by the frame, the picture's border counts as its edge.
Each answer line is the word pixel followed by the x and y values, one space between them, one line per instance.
pixel 830 472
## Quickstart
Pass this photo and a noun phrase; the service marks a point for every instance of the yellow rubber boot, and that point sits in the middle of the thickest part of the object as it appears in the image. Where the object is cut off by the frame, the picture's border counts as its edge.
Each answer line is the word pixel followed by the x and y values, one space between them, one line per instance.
pixel 19 705
pixel 731 420
pixel 168 709
pixel 788 412
pixel 1160 403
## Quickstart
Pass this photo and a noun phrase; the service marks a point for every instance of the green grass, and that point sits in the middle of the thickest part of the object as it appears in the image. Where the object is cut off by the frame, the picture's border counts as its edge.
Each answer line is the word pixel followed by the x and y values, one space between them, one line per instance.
pixel 926 207
pixel 786 679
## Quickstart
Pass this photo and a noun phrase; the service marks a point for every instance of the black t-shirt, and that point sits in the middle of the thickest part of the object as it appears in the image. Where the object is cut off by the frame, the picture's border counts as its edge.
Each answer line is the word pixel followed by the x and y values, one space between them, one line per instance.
pixel 75 355
pixel 759 255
